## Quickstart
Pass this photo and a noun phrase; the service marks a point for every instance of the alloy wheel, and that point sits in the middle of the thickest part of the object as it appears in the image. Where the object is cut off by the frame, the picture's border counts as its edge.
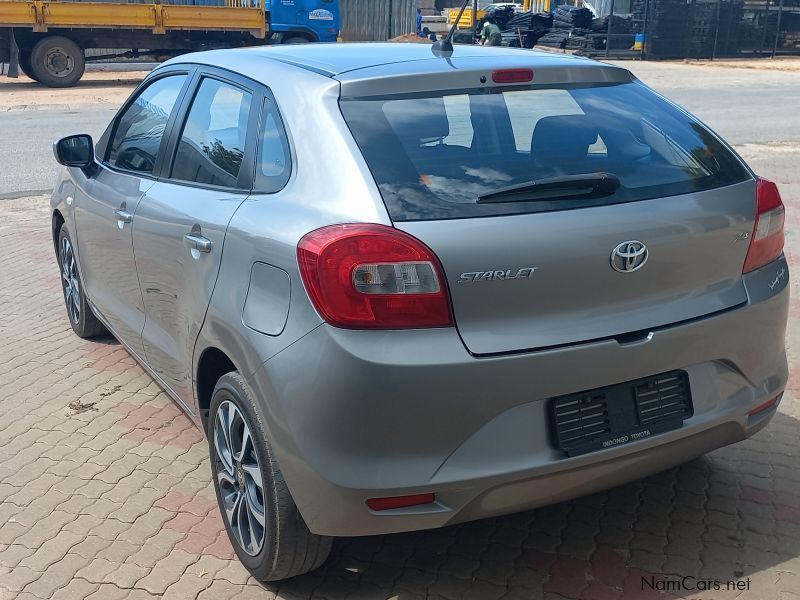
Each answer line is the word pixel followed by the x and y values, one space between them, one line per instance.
pixel 70 281
pixel 238 474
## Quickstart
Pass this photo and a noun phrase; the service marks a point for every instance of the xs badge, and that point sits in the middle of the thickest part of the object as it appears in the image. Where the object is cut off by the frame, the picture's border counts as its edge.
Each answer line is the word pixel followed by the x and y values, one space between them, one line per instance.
pixel 472 277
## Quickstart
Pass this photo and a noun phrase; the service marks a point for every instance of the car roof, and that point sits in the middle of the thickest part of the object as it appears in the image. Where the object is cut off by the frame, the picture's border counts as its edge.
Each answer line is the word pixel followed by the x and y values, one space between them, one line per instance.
pixel 334 59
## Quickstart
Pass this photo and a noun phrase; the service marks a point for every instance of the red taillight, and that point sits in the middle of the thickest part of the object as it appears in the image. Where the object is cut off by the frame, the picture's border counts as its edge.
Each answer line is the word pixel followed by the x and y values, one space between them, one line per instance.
pixel 767 242
pixel 367 276
pixel 512 76
pixel 400 501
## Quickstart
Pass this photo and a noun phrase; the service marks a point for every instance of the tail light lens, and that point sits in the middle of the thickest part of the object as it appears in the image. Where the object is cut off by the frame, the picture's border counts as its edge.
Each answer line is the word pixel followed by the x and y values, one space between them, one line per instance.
pixel 765 406
pixel 767 242
pixel 378 504
pixel 367 276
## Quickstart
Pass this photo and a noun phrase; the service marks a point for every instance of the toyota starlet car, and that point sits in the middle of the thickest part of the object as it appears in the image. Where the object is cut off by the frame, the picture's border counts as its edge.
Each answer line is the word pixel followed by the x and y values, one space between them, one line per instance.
pixel 400 289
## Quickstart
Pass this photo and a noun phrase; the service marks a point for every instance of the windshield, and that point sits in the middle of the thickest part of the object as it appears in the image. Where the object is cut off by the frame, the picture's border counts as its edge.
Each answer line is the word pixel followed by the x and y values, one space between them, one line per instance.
pixel 434 156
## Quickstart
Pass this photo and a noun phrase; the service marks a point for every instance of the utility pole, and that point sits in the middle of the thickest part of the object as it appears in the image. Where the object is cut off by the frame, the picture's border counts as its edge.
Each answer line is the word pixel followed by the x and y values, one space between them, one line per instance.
pixel 716 31
pixel 608 30
pixel 389 24
pixel 777 29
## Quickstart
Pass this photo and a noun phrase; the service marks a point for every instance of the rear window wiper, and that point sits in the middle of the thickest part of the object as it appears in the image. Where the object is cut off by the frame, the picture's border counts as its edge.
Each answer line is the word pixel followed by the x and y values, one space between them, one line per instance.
pixel 586 185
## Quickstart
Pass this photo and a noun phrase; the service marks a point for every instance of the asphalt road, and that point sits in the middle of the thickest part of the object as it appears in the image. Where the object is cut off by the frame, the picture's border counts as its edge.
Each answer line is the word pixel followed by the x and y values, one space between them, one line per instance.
pixel 26 137
pixel 743 105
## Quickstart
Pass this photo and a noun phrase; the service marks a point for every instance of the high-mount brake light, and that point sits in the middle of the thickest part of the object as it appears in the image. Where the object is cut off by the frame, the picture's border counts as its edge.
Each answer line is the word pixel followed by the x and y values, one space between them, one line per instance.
pixel 512 75
pixel 767 240
pixel 369 276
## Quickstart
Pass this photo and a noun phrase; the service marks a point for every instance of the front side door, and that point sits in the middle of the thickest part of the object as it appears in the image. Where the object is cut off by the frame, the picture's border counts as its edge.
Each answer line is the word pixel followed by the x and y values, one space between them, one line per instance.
pixel 181 221
pixel 106 203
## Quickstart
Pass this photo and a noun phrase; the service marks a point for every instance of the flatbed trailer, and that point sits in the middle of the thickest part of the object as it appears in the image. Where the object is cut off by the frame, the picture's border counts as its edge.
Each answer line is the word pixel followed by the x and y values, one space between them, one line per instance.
pixel 46 39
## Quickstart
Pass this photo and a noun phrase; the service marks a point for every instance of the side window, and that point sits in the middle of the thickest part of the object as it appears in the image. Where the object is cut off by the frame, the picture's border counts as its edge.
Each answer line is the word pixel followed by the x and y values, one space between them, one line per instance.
pixel 140 128
pixel 274 164
pixel 212 144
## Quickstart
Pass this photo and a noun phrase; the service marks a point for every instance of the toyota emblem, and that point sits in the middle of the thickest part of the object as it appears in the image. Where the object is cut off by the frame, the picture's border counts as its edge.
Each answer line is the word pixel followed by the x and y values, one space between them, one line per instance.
pixel 629 256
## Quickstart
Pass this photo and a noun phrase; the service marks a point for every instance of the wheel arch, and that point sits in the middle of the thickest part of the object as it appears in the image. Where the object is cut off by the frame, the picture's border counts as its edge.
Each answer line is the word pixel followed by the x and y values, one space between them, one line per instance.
pixel 57 222
pixel 308 34
pixel 27 39
pixel 211 366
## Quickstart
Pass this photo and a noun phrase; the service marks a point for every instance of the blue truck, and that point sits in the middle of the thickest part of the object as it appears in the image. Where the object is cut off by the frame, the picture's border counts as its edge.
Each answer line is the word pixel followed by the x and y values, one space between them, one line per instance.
pixel 299 21
pixel 47 39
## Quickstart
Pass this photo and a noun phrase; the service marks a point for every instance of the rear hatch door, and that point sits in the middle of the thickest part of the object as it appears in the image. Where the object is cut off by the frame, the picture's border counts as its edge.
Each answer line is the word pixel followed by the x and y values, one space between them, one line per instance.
pixel 486 176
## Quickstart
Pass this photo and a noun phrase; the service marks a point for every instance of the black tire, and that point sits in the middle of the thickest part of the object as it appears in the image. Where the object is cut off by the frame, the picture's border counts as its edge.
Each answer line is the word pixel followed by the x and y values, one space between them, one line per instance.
pixel 296 39
pixel 84 322
pixel 287 548
pixel 25 64
pixel 57 62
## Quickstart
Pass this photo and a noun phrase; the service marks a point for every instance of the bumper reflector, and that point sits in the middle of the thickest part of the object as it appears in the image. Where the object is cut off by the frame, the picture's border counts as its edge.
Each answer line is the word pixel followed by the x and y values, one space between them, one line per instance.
pixel 400 501
pixel 762 407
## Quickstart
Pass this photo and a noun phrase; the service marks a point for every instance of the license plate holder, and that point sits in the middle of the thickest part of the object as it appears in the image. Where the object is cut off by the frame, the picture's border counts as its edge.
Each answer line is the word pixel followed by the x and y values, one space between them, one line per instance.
pixel 619 414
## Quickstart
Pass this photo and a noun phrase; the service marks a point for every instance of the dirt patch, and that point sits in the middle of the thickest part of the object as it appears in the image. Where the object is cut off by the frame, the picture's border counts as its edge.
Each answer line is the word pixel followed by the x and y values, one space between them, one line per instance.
pixel 78 407
pixel 410 38
pixel 95 88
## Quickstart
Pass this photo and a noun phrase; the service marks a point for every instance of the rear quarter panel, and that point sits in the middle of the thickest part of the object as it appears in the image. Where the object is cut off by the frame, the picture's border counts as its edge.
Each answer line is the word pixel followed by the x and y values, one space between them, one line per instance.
pixel 330 184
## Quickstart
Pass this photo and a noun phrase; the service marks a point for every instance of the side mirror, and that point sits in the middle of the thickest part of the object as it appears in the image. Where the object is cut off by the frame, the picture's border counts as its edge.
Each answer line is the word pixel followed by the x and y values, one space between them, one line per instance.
pixel 75 151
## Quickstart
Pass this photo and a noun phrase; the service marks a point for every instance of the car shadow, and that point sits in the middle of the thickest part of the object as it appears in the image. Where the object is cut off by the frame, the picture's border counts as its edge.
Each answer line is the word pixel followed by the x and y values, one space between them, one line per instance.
pixel 106 339
pixel 731 515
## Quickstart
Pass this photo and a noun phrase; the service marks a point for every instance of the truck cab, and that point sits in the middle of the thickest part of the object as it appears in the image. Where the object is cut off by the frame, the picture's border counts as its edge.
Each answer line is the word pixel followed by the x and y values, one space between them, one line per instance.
pixel 47 39
pixel 296 21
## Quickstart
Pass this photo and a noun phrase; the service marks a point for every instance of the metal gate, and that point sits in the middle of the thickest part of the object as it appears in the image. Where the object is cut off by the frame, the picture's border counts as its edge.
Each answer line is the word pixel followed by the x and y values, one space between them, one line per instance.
pixel 370 20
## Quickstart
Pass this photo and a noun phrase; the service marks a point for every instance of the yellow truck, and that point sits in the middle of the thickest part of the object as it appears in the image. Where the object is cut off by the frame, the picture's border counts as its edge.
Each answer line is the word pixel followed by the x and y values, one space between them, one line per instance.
pixel 47 39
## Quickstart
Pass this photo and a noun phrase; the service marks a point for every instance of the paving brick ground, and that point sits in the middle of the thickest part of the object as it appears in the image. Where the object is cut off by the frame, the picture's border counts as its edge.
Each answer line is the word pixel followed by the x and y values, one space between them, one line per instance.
pixel 105 488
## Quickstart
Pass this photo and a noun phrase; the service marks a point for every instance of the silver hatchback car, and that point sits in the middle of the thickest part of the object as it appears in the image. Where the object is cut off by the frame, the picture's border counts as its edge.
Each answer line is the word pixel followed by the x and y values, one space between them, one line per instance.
pixel 400 290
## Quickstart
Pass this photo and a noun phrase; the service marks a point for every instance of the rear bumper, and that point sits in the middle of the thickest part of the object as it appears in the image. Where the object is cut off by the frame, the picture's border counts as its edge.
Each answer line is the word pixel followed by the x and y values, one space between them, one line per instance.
pixel 356 414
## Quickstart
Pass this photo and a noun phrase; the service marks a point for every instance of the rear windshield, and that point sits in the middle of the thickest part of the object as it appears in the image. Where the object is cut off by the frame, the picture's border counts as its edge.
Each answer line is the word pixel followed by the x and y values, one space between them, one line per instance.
pixel 434 155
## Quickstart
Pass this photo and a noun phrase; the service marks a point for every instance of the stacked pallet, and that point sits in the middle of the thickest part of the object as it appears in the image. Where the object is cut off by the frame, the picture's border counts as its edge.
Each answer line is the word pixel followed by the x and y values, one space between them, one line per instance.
pixel 693 28
pixel 567 39
pixel 618 24
pixel 572 17
pixel 530 20
pixel 667 26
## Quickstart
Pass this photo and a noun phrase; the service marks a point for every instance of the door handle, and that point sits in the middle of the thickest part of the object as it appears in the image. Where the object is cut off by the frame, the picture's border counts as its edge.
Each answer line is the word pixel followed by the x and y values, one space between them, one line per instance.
pixel 123 216
pixel 198 242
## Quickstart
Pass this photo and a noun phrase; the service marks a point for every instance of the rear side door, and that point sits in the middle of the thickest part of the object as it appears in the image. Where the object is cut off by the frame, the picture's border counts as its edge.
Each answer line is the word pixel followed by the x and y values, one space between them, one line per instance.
pixel 180 226
pixel 107 200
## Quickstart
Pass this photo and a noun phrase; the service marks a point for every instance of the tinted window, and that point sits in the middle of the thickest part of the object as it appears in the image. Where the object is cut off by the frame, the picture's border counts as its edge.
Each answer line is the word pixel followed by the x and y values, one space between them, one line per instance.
pixel 141 127
pixel 433 156
pixel 212 144
pixel 274 164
